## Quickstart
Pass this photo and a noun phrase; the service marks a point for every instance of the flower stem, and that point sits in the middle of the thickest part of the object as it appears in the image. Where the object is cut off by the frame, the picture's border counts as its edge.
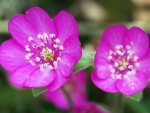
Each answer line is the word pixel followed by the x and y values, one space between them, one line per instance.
pixel 70 110
pixel 118 107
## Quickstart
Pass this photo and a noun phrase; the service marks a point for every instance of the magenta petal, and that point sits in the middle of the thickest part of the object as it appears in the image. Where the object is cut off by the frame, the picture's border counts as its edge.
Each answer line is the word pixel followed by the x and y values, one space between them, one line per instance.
pixel 101 60
pixel 65 25
pixel 107 85
pixel 20 75
pixel 138 39
pixel 135 84
pixel 66 65
pixel 144 64
pixel 102 50
pixel 57 82
pixel 102 69
pixel 73 48
pixel 12 56
pixel 61 102
pixel 20 29
pixel 35 21
pixel 40 78
pixel 114 35
pixel 40 20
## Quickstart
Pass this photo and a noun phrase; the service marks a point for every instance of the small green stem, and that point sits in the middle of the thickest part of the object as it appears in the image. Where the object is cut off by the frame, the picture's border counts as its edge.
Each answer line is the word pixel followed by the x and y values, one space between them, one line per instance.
pixel 118 107
pixel 70 110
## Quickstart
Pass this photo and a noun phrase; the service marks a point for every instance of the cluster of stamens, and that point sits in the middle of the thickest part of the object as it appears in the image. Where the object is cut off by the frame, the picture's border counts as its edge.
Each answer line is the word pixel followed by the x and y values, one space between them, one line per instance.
pixel 45 54
pixel 123 62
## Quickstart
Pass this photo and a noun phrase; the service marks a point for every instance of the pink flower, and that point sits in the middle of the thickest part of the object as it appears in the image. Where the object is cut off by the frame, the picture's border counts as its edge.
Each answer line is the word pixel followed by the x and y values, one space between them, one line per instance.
pixel 89 107
pixel 122 60
pixel 75 87
pixel 43 51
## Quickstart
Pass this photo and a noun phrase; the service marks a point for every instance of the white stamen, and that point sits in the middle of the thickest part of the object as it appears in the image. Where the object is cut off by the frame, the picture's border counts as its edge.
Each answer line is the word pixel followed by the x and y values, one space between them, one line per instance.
pixel 40 36
pixel 37 59
pixel 55 45
pixel 109 57
pixel 121 68
pixel 55 64
pixel 57 40
pixel 119 76
pixel 118 47
pixel 30 39
pixel 116 64
pixel 41 67
pixel 112 70
pixel 50 67
pixel 27 48
pixel 45 35
pixel 136 58
pixel 110 52
pixel 126 77
pixel 127 47
pixel 137 64
pixel 58 58
pixel 119 52
pixel 52 35
pixel 61 47
pixel 31 62
pixel 130 66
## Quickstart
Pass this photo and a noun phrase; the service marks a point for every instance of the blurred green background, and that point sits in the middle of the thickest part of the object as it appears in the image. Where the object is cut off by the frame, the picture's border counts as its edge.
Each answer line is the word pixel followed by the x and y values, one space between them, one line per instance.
pixel 93 17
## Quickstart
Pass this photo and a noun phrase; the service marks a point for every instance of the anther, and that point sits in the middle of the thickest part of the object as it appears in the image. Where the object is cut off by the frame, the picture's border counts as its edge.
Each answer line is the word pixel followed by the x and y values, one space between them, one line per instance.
pixel 30 39
pixel 52 35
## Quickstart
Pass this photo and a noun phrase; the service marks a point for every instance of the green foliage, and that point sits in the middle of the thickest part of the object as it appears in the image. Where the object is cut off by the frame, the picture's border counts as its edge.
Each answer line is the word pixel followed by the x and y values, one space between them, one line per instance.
pixel 136 97
pixel 38 91
pixel 85 61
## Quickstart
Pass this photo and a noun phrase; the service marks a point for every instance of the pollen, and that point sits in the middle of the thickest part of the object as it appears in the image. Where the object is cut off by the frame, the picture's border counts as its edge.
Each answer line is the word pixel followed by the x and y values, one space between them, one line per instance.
pixel 123 62
pixel 45 53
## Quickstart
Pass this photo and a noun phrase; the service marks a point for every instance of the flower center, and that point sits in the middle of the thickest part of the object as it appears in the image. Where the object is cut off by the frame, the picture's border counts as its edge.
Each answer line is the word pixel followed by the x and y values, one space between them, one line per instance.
pixel 46 53
pixel 123 62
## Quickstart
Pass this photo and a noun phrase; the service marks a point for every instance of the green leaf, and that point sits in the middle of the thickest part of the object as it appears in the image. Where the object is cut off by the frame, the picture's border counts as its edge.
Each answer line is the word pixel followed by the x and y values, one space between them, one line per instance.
pixel 85 61
pixel 38 91
pixel 136 97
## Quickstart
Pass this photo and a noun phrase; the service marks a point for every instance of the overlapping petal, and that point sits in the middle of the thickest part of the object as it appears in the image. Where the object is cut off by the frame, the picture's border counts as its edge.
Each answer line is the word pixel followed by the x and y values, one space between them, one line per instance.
pixel 21 29
pixel 35 21
pixel 40 20
pixel 65 25
pixel 144 64
pixel 103 49
pixel 138 39
pixel 133 85
pixel 103 68
pixel 66 65
pixel 40 78
pixel 58 81
pixel 107 84
pixel 114 35
pixel 21 74
pixel 72 47
pixel 12 55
